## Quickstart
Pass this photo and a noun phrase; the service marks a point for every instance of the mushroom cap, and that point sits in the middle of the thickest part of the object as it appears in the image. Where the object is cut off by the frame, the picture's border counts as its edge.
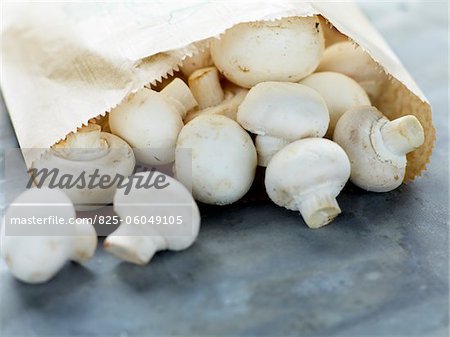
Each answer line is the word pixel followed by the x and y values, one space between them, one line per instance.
pixel 34 253
pixel 287 49
pixel 117 160
pixel 223 159
pixel 284 110
pixel 340 93
pixel 351 60
pixel 306 167
pixel 162 217
pixel 150 123
pixel 374 167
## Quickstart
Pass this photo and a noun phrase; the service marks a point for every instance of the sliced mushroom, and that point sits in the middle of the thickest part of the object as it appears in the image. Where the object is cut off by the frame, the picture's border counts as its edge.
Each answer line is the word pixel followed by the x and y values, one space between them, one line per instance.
pixel 153 219
pixel 377 147
pixel 86 156
pixel 307 175
pixel 35 252
pixel 283 111
pixel 150 121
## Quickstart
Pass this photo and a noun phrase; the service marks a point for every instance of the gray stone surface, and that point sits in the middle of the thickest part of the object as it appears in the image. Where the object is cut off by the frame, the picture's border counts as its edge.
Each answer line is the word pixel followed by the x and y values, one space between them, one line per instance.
pixel 381 269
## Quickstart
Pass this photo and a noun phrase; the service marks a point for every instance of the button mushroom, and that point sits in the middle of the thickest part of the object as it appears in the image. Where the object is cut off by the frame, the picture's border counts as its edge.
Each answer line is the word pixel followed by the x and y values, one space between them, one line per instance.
pixel 283 111
pixel 88 155
pixel 287 49
pixel 153 219
pixel 150 121
pixel 46 237
pixel 307 175
pixel 351 60
pixel 223 159
pixel 212 99
pixel 339 91
pixel 377 147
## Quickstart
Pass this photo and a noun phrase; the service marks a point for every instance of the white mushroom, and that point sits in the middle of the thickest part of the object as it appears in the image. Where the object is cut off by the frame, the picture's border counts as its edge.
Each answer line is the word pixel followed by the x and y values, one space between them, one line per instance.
pixel 198 60
pixel 212 99
pixel 46 237
pixel 287 49
pixel 307 175
pixel 339 91
pixel 377 147
pixel 222 165
pixel 283 111
pixel 205 86
pixel 150 121
pixel 351 60
pixel 160 217
pixel 87 165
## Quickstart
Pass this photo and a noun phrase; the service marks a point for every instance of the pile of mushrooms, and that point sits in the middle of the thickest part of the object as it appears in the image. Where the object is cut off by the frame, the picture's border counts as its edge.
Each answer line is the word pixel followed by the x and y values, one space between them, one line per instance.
pixel 265 93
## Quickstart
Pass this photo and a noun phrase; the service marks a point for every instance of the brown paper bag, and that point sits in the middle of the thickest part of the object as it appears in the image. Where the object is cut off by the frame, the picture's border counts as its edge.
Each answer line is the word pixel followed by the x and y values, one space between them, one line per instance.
pixel 65 63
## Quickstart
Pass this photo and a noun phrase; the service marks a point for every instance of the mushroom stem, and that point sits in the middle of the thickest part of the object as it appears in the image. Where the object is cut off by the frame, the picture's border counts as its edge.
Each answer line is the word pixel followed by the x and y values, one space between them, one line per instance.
pixel 205 86
pixel 319 210
pixel 403 134
pixel 178 92
pixel 267 147
pixel 84 243
pixel 228 108
pixel 198 60
pixel 102 121
pixel 85 144
pixel 85 137
pixel 137 249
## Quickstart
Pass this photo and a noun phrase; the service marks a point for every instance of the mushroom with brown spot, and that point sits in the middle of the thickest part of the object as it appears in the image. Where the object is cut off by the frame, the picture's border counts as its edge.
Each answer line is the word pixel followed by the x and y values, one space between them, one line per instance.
pixel 287 49
pixel 377 147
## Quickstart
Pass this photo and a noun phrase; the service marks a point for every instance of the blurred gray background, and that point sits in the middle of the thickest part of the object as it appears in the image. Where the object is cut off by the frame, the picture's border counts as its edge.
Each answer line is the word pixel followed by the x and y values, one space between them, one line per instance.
pixel 381 269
